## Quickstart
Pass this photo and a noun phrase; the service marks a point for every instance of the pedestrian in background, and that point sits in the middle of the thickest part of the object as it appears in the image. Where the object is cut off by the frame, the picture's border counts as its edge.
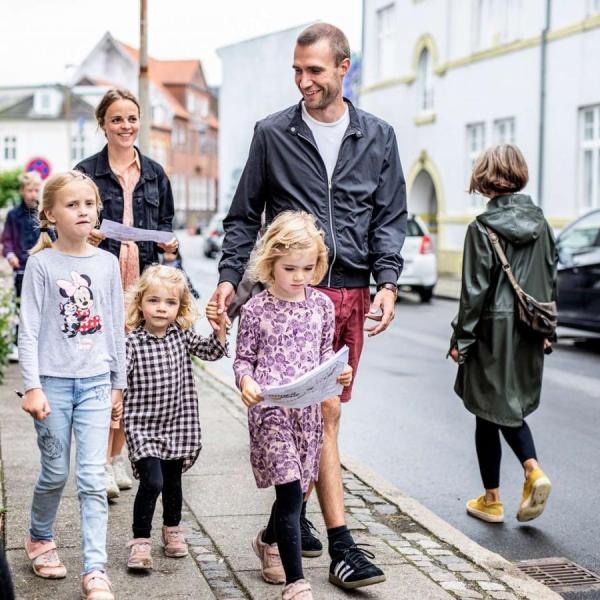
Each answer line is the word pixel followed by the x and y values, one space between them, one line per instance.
pixel 135 191
pixel 72 354
pixel 499 364
pixel 160 405
pixel 284 332
pixel 340 164
pixel 21 232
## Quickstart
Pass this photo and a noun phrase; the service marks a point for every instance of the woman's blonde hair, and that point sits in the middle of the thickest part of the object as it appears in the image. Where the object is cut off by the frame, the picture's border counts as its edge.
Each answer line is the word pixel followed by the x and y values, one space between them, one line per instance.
pixel 29 178
pixel 499 170
pixel 169 277
pixel 53 185
pixel 291 230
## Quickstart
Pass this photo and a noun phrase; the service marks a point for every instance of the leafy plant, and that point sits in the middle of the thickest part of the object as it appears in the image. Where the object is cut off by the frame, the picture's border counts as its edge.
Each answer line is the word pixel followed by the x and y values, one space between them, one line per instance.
pixel 8 316
pixel 9 187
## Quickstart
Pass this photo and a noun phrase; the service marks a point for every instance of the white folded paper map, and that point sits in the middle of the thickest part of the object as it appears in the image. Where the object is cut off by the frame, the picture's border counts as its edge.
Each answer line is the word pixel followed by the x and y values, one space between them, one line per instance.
pixel 123 233
pixel 312 387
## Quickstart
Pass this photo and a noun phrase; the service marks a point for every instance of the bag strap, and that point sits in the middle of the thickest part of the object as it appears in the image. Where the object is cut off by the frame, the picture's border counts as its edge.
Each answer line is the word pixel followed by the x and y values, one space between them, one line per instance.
pixel 495 239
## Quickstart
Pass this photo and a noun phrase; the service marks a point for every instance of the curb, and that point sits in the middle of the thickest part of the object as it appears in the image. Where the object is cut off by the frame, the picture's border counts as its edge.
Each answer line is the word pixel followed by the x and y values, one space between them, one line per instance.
pixel 494 564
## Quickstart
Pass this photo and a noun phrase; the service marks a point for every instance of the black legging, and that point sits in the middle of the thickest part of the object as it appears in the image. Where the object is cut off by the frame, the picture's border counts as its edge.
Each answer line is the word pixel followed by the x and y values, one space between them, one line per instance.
pixel 157 475
pixel 284 528
pixel 489 450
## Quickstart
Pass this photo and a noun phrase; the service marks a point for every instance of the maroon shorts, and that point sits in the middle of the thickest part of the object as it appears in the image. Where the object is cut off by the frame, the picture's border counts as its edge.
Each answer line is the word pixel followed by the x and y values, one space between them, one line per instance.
pixel 351 306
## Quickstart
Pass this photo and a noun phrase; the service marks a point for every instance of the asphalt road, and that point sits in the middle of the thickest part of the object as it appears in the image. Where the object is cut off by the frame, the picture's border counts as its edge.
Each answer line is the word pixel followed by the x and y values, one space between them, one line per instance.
pixel 406 423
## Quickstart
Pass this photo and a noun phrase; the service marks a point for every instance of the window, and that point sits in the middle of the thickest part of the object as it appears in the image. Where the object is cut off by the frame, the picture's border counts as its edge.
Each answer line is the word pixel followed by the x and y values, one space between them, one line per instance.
pixel 495 22
pixel 10 147
pixel 475 146
pixel 385 41
pixel 425 82
pixel 593 7
pixel 589 157
pixel 78 147
pixel 504 131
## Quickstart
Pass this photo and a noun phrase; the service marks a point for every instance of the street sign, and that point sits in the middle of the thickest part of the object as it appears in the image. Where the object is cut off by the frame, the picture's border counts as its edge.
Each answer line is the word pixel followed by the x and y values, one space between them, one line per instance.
pixel 41 165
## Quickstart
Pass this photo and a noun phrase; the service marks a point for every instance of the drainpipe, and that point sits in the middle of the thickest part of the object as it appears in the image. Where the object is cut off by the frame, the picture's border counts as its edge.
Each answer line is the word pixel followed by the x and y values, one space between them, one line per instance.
pixel 144 83
pixel 363 11
pixel 542 125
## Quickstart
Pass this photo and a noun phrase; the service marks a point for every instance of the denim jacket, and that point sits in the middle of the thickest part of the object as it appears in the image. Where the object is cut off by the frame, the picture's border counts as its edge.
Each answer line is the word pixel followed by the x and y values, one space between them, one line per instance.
pixel 152 200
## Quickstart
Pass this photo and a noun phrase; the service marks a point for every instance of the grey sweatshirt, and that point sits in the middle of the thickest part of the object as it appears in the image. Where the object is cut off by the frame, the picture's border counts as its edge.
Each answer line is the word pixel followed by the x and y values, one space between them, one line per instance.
pixel 72 318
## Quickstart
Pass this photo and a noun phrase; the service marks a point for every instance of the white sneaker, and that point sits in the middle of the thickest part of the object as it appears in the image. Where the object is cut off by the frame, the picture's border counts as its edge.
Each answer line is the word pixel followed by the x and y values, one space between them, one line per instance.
pixel 112 489
pixel 122 479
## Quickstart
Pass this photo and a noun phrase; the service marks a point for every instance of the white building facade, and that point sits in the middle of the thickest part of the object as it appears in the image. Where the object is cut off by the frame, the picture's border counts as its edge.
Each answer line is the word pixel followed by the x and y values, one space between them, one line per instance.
pixel 454 77
pixel 258 80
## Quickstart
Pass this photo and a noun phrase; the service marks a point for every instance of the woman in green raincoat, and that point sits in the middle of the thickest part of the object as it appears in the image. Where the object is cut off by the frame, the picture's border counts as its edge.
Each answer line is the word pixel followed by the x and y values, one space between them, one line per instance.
pixel 499 366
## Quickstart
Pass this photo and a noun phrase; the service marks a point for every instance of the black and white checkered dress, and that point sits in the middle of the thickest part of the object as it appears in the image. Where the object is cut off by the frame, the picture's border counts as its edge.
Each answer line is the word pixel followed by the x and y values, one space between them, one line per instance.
pixel 160 406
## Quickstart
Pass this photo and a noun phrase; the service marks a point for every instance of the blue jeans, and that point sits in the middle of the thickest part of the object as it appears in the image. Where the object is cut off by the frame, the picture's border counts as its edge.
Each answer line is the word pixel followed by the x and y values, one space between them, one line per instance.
pixel 82 406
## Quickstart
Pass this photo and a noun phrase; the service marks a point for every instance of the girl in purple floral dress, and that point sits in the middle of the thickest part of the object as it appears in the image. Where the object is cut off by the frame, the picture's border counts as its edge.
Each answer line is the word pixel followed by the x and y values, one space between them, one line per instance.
pixel 285 331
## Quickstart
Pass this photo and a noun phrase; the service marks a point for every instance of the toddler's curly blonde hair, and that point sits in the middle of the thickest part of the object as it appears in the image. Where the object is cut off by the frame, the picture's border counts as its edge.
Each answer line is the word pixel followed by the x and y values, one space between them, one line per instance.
pixel 169 277
pixel 290 230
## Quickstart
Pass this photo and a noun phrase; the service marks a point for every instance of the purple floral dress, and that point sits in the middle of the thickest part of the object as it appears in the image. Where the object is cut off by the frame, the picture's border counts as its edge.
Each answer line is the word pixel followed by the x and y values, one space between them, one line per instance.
pixel 277 342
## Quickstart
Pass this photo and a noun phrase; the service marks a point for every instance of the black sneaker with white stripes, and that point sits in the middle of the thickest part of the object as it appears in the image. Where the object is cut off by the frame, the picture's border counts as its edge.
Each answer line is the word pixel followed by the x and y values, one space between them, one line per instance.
pixel 311 545
pixel 352 568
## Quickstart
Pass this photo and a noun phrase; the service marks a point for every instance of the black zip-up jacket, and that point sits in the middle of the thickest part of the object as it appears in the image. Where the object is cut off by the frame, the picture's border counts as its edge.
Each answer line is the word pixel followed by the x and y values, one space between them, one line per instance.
pixel 362 211
pixel 152 200
pixel 21 232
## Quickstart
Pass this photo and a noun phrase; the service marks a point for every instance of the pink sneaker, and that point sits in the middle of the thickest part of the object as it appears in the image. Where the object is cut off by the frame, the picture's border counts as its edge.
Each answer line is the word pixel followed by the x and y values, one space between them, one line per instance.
pixel 140 554
pixel 96 586
pixel 299 590
pixel 174 542
pixel 44 559
pixel 271 567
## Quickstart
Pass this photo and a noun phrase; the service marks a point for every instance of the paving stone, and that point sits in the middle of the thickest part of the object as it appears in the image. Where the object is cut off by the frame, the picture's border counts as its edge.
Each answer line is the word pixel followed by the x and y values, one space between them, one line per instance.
pixel 360 510
pixel 410 551
pixel 439 575
pixel 399 543
pixel 503 596
pixel 476 576
pixel 461 567
pixel 385 509
pixel 454 586
pixel 414 536
pixel 206 558
pixel 353 501
pixel 423 563
pixel 436 552
pixel 372 499
pixel 492 586
pixel 469 594
pixel 428 544
pixel 449 559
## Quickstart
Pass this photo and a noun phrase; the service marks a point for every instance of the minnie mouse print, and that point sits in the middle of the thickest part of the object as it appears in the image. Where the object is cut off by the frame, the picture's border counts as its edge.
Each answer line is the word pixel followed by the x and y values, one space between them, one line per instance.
pixel 77 310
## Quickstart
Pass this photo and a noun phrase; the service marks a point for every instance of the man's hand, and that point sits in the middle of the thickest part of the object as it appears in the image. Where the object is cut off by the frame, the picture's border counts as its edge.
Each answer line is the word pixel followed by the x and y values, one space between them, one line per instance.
pixel 95 237
pixel 345 377
pixel 454 354
pixel 117 405
pixel 13 261
pixel 170 246
pixel 250 391
pixel 385 300
pixel 222 297
pixel 36 404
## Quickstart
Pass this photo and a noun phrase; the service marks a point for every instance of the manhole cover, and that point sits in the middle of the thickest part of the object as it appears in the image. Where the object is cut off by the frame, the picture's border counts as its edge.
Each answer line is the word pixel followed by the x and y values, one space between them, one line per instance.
pixel 560 574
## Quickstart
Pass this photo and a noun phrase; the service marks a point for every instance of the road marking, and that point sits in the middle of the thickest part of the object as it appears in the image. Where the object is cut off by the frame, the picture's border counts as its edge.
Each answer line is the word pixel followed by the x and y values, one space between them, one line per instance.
pixel 571 381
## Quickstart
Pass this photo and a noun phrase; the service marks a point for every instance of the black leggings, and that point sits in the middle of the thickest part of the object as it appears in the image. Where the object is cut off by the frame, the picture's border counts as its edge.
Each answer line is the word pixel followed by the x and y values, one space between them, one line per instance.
pixel 157 476
pixel 284 528
pixel 489 450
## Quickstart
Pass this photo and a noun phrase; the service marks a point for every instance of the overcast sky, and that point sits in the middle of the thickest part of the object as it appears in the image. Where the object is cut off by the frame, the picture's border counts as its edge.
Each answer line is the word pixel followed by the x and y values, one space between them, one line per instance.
pixel 39 38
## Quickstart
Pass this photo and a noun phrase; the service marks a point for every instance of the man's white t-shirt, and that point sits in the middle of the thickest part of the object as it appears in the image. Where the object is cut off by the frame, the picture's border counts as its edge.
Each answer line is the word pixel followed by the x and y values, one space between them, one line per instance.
pixel 328 137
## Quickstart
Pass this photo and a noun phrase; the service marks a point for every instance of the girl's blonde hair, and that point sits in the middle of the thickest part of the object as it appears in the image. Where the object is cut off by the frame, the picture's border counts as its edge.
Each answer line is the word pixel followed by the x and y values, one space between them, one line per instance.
pixel 169 277
pixel 291 230
pixel 29 178
pixel 499 170
pixel 53 185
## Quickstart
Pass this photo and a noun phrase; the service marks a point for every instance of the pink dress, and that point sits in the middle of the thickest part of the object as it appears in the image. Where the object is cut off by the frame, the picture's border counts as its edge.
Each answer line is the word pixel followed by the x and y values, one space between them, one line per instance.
pixel 277 342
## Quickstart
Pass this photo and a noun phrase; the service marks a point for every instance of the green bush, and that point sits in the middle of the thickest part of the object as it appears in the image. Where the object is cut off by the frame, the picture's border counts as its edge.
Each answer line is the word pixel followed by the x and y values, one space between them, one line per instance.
pixel 9 187
pixel 8 316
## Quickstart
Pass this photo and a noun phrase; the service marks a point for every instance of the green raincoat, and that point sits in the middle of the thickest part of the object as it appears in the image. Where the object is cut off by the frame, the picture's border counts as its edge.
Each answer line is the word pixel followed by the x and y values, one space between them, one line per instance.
pixel 500 367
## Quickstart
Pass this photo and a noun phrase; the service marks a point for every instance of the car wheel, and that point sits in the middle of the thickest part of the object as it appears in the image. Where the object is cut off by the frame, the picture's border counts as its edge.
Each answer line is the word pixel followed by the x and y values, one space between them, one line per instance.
pixel 425 293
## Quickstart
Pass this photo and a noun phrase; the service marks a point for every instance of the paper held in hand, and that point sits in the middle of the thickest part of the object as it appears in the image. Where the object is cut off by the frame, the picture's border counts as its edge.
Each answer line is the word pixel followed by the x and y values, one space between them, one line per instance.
pixel 312 387
pixel 123 233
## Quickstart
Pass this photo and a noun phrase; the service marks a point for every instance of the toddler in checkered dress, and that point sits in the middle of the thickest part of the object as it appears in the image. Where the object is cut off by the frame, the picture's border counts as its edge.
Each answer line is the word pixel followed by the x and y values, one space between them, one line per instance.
pixel 160 406
pixel 284 332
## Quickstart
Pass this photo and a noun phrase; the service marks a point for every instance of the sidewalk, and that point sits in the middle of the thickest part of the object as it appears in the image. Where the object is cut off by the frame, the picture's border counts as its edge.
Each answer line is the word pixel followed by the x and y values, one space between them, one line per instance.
pixel 423 557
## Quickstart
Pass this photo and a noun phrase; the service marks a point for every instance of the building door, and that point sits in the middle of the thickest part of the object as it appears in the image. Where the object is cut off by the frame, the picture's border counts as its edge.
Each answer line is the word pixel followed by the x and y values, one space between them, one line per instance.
pixel 422 201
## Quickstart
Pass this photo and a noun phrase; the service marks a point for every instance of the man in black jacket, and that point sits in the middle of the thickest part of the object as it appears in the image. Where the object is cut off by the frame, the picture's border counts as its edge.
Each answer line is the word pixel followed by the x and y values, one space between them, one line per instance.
pixel 340 164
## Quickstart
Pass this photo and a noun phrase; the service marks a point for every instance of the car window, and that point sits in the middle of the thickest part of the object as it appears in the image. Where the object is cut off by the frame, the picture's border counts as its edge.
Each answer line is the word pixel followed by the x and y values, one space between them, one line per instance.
pixel 583 235
pixel 413 229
